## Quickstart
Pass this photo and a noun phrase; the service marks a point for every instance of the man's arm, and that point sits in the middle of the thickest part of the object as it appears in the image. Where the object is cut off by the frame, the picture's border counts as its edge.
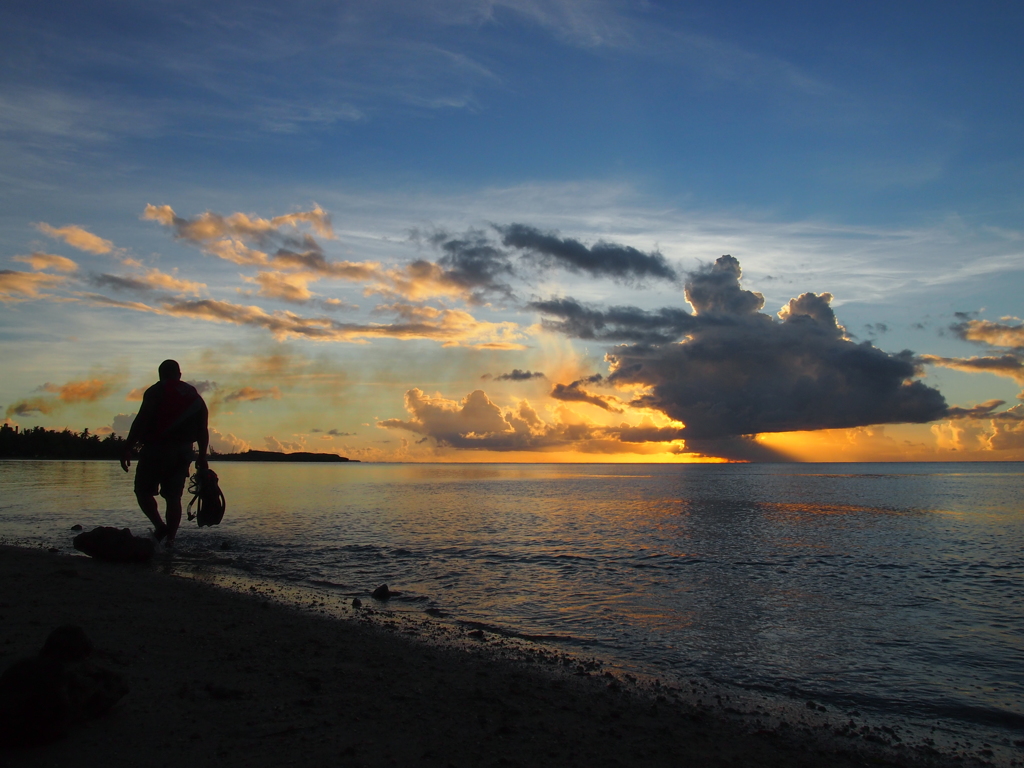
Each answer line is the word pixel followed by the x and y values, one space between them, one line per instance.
pixel 203 438
pixel 139 425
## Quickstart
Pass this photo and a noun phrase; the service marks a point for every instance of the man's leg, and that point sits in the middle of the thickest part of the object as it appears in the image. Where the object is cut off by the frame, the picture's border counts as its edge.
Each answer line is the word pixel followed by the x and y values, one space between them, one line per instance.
pixel 173 516
pixel 149 507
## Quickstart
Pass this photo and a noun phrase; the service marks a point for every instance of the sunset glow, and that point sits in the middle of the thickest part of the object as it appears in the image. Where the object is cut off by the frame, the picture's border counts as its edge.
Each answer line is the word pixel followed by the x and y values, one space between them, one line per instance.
pixel 505 232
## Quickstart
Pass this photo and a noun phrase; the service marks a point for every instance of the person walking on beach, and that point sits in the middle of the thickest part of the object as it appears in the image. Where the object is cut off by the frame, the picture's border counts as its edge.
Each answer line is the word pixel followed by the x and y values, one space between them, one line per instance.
pixel 173 416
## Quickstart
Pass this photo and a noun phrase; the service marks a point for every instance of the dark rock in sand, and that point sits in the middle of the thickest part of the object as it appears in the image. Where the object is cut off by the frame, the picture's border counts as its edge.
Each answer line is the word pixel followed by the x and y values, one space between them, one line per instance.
pixel 382 592
pixel 67 643
pixel 43 697
pixel 357 603
pixel 115 545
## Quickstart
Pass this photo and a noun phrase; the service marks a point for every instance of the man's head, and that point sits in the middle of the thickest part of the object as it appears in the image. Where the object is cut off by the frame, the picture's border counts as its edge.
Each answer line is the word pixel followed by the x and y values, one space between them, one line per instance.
pixel 169 370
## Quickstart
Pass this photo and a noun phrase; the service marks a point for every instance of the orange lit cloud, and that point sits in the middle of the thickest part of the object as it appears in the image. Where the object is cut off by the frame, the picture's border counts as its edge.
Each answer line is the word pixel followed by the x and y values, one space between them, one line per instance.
pixel 314 261
pixel 477 423
pixel 450 327
pixel 994 334
pixel 40 261
pixel 1008 434
pixel 22 286
pixel 292 288
pixel 78 238
pixel 212 226
pixel 86 391
pixel 419 281
pixel 1004 365
pixel 278 242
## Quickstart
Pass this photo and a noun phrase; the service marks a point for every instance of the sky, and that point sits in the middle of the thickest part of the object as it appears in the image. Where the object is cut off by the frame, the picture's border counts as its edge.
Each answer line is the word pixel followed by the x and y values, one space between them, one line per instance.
pixel 521 230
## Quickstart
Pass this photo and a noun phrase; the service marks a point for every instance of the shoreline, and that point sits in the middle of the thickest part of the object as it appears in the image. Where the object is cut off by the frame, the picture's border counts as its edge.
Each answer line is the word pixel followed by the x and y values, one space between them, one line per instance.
pixel 220 677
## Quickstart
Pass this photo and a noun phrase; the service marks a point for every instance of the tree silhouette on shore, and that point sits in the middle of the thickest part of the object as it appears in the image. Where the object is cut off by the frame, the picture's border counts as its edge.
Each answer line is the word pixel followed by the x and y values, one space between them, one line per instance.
pixel 40 443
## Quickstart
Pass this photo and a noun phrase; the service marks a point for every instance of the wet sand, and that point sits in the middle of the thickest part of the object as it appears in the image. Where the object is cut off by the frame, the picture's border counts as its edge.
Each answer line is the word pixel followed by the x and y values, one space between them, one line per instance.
pixel 228 679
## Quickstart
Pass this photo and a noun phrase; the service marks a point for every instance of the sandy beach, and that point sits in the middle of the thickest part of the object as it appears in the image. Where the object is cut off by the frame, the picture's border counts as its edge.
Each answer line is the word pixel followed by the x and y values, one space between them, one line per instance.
pixel 228 679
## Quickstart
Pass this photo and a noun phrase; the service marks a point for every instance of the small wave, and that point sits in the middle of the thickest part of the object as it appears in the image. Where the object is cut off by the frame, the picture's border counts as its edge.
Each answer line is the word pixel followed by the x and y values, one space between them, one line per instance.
pixel 539 638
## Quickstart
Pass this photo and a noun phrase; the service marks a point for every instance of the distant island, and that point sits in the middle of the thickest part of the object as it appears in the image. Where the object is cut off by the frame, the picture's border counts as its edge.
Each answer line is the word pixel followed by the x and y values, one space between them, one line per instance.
pixel 274 456
pixel 40 443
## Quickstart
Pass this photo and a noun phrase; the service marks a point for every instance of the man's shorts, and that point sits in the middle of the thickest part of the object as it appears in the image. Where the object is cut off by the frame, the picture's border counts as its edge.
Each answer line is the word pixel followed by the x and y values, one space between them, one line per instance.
pixel 163 469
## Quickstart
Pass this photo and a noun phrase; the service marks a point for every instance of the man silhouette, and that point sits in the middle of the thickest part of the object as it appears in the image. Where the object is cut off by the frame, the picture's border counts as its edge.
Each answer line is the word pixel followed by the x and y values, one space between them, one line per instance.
pixel 172 417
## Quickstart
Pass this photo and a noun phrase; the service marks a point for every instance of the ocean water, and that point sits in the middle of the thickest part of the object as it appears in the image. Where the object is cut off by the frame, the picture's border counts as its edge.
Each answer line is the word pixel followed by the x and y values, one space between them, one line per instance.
pixel 892 591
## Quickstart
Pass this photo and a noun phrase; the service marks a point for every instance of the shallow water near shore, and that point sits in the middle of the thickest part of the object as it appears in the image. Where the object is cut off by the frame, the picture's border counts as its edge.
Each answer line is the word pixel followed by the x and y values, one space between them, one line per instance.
pixel 893 591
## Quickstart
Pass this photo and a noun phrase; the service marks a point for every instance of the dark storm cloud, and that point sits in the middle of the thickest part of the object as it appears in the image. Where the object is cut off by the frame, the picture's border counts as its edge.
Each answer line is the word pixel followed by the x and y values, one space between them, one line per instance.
pixel 615 323
pixel 517 375
pixel 736 448
pixel 743 372
pixel 473 262
pixel 620 262
pixel 715 290
pixel 576 393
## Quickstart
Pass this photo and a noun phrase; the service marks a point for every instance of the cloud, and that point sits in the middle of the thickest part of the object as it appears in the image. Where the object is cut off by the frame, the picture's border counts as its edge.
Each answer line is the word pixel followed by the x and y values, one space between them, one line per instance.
pixel 85 391
pixel 1005 365
pixel 619 262
pixel 984 410
pixel 24 407
pixel 283 245
pixel 336 305
pixel 1009 336
pixel 251 394
pixel 450 327
pixel 152 280
pixel 282 446
pixel 736 448
pixel 994 334
pixel 203 386
pixel 122 423
pixel 228 443
pixel 313 260
pixel 332 433
pixel 476 423
pixel 293 288
pixel 22 286
pixel 741 372
pixel 40 261
pixel 614 324
pixel 1008 432
pixel 575 393
pixel 296 259
pixel 471 265
pixel 77 237
pixel 715 290
pixel 211 226
pixel 517 375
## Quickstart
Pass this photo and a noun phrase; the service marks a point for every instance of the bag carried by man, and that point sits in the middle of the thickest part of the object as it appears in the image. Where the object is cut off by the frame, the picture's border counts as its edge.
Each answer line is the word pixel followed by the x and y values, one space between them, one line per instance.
pixel 207 497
